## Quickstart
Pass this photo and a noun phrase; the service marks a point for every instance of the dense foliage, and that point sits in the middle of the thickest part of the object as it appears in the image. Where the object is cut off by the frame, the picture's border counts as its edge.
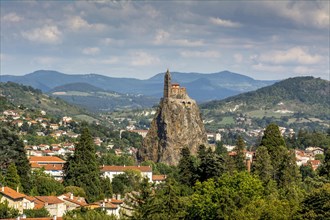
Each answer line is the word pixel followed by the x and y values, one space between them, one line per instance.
pixel 82 169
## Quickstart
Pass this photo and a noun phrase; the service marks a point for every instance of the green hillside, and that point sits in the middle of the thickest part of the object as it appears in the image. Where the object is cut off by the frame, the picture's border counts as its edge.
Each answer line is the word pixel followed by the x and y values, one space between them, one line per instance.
pixel 98 100
pixel 301 94
pixel 16 94
pixel 292 102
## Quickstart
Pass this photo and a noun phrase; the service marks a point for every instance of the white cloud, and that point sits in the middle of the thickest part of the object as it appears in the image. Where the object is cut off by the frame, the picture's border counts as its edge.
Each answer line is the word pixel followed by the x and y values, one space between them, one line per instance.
pixel 224 23
pixel 269 68
pixel 296 55
pixel 77 23
pixel 238 57
pixel 12 17
pixel 47 34
pixel 200 54
pixel 144 59
pixel 45 60
pixel 91 51
pixel 161 37
pixel 187 43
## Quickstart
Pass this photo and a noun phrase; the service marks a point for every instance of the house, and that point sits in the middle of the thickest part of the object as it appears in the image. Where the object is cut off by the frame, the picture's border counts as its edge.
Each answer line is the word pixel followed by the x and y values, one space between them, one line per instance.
pixel 158 178
pixel 54 170
pixel 54 126
pixel 109 207
pixel 111 171
pixel 72 202
pixel 15 199
pixel 314 163
pixel 52 165
pixel 54 205
pixel 314 150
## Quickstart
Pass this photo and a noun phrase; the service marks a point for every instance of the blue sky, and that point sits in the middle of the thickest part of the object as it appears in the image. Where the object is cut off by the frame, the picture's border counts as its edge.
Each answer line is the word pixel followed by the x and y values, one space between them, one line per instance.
pixel 261 39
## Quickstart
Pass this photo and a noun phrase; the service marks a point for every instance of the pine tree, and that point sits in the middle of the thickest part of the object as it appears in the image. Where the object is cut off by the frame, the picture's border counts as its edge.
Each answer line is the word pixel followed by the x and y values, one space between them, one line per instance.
pixel 240 155
pixel 12 150
pixel 272 138
pixel 12 178
pixel 82 169
pixel 211 165
pixel 187 169
pixel 262 166
pixel 107 187
pixel 324 170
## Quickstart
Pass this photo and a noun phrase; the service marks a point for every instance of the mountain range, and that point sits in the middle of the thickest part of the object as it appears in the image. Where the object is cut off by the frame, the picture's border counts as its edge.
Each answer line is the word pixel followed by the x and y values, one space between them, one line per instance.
pixel 202 87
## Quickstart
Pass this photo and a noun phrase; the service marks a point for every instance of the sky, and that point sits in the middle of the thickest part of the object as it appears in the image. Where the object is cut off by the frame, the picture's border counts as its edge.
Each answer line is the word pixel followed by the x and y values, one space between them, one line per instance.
pixel 138 39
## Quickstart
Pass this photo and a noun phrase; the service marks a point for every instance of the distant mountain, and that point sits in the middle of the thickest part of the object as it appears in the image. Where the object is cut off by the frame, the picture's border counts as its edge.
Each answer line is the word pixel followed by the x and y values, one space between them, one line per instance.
pixel 97 100
pixel 202 87
pixel 13 94
pixel 300 94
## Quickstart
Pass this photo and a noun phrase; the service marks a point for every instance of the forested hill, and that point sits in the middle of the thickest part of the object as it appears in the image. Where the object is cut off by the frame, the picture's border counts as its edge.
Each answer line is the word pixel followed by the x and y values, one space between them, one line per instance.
pixel 13 94
pixel 300 94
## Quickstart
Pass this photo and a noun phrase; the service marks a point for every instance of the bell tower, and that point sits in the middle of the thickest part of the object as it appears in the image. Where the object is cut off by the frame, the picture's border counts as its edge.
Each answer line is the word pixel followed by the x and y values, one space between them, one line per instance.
pixel 167 84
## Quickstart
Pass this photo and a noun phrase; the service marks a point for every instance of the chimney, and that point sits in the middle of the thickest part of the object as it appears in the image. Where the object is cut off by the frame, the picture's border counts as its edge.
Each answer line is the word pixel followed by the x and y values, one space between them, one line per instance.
pixel 2 189
pixel 17 189
pixel 54 217
pixel 71 195
pixel 248 165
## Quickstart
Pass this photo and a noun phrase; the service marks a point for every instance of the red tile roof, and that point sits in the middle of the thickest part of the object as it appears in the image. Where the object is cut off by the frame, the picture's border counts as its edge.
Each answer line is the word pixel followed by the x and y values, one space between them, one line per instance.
pixel 158 177
pixel 116 201
pixel 46 159
pixel 49 199
pixel 9 192
pixel 123 168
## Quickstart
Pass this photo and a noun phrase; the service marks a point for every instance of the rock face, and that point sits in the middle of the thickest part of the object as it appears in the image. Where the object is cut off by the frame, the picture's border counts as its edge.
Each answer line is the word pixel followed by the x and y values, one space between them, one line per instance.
pixel 177 124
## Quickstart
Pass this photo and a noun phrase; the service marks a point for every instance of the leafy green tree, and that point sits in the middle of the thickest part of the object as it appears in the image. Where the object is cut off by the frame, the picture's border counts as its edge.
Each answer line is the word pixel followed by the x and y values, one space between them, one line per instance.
pixel 45 185
pixel 36 213
pixel 210 164
pixel 106 187
pixel 12 178
pixel 289 174
pixel 12 150
pixel 240 155
pixel 272 138
pixel 220 149
pixel 82 169
pixel 87 214
pixel 187 168
pixel 126 182
pixel 224 197
pixel 324 170
pixel 307 171
pixel 77 191
pixel 317 204
pixel 6 211
pixel 262 166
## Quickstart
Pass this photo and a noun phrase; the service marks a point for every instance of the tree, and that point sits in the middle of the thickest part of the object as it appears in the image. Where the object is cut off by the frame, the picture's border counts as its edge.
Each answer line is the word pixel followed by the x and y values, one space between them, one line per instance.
pixel 240 155
pixel 262 166
pixel 87 214
pixel 126 182
pixel 324 170
pixel 106 187
pixel 187 168
pixel 307 171
pixel 272 138
pixel 12 178
pixel 317 204
pixel 6 211
pixel 82 169
pixel 12 150
pixel 77 191
pixel 210 164
pixel 44 184
pixel 36 213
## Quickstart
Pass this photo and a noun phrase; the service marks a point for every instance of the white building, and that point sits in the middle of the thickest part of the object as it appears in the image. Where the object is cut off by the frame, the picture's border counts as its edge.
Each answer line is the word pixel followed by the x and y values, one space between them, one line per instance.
pixel 112 171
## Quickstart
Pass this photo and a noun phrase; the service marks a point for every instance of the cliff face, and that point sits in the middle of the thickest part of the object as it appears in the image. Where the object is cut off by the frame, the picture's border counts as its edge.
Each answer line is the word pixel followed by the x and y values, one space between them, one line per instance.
pixel 177 124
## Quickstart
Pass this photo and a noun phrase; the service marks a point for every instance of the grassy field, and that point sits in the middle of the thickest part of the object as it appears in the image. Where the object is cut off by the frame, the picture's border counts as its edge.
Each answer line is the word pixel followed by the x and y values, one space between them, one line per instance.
pixel 227 120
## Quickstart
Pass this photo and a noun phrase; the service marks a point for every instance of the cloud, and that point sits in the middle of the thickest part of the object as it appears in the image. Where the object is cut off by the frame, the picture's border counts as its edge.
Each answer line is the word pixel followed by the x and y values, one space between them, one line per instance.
pixel 238 57
pixel 77 23
pixel 45 60
pixel 91 51
pixel 143 59
pixel 12 17
pixel 48 34
pixel 200 54
pixel 224 23
pixel 295 55
pixel 165 38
